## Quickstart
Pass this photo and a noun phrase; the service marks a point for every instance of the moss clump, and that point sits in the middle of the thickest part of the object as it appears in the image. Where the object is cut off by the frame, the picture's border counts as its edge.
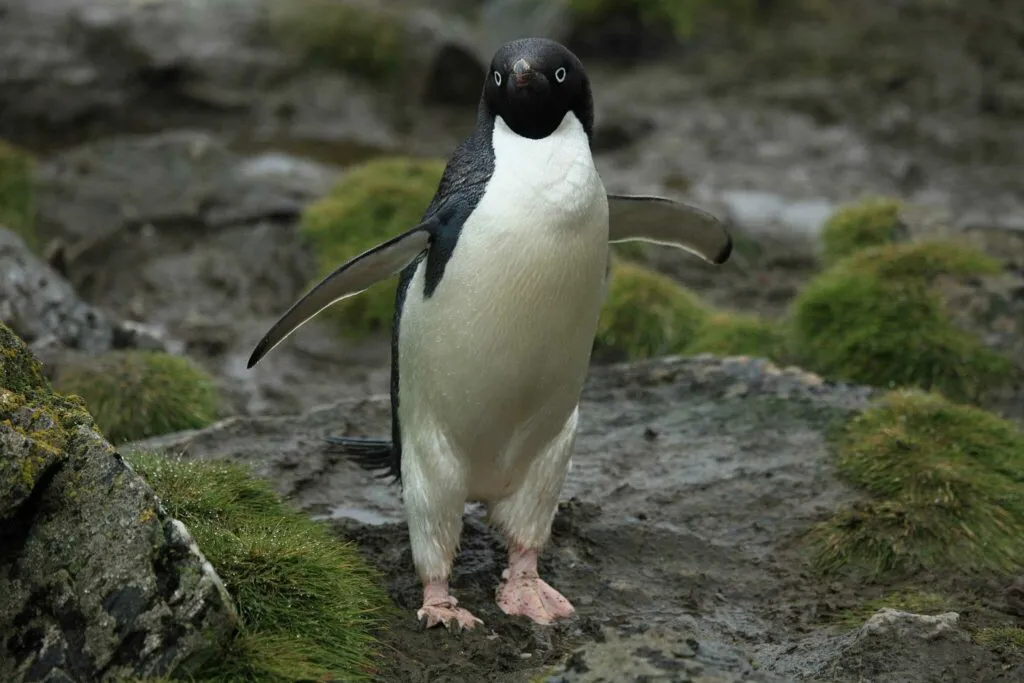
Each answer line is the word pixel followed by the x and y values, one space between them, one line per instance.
pixel 646 314
pixel 139 394
pixel 17 195
pixel 1001 638
pixel 947 487
pixel 20 372
pixel 357 37
pixel 372 203
pixel 870 223
pixel 912 601
pixel 682 16
pixel 874 318
pixel 307 603
pixel 731 334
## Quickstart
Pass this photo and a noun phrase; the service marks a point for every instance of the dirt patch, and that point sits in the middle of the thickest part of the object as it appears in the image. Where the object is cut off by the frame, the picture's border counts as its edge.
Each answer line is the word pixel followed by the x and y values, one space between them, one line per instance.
pixel 692 483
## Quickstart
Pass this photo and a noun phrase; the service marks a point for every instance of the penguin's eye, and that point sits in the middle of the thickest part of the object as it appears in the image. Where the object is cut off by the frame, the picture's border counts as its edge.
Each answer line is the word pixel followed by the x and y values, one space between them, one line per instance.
pixel 560 74
pixel 497 78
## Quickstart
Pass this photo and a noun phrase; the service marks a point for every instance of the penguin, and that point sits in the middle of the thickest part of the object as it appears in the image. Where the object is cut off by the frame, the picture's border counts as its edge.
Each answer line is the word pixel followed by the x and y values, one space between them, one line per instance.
pixel 500 289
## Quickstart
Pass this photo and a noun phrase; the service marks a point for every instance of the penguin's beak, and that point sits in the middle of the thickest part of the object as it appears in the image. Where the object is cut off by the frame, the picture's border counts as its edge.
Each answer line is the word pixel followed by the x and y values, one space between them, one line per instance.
pixel 522 73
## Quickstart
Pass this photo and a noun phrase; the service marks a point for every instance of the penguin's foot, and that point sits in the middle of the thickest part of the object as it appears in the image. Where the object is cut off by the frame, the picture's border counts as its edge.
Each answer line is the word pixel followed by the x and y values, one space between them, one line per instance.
pixel 440 607
pixel 523 593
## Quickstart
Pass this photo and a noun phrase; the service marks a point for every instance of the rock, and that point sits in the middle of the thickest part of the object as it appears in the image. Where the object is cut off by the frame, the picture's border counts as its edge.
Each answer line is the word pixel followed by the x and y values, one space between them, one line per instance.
pixel 97 581
pixel 659 655
pixel 894 624
pixel 43 308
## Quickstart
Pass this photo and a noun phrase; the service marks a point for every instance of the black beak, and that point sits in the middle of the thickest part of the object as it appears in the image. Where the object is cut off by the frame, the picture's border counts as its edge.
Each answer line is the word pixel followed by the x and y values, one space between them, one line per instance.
pixel 522 73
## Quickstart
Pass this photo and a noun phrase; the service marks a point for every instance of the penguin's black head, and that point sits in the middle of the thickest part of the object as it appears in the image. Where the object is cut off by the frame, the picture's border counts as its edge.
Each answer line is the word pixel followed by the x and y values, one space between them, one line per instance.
pixel 533 83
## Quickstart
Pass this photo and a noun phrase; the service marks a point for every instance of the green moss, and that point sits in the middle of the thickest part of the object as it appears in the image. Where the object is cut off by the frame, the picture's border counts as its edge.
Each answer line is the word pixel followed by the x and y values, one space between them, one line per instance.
pixel 372 203
pixel 946 484
pixel 1001 637
pixel 731 334
pixel 17 195
pixel 647 314
pixel 362 39
pixel 913 601
pixel 19 369
pixel 874 318
pixel 868 223
pixel 683 16
pixel 139 394
pixel 307 603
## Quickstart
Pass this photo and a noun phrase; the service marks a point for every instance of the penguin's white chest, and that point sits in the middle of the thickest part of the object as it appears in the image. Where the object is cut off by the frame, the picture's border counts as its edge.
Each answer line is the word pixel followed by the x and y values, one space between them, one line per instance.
pixel 493 362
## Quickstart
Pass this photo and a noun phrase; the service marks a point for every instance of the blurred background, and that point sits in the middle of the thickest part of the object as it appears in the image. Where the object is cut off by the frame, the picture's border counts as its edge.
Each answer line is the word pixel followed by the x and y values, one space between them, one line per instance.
pixel 181 170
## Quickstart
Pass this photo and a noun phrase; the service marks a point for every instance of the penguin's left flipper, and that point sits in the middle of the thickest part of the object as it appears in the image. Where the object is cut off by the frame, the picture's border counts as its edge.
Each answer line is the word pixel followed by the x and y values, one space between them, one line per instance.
pixel 349 279
pixel 668 222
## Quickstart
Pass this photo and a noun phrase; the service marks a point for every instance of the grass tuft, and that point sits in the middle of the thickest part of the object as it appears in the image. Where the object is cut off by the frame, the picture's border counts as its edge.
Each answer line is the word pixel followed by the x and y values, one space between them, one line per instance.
pixel 874 319
pixel 371 204
pixel 869 223
pixel 357 37
pixel 732 334
pixel 947 490
pixel 307 603
pixel 646 314
pixel 682 16
pixel 1010 638
pixel 134 394
pixel 17 194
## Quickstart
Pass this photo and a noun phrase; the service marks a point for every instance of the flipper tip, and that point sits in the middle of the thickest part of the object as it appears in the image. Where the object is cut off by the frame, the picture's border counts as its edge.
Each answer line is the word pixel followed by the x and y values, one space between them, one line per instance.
pixel 725 253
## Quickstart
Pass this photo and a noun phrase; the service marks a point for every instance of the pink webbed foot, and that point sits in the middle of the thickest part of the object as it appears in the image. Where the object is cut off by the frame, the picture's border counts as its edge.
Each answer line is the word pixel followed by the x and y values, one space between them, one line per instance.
pixel 440 607
pixel 523 593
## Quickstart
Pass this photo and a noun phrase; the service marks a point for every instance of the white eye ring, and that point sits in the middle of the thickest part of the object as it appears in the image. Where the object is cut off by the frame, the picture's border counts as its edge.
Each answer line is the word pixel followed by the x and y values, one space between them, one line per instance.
pixel 560 74
pixel 497 78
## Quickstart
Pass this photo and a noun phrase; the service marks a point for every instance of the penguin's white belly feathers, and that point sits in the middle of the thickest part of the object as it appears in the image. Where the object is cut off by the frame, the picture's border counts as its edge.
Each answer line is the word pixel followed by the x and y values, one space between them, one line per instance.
pixel 493 362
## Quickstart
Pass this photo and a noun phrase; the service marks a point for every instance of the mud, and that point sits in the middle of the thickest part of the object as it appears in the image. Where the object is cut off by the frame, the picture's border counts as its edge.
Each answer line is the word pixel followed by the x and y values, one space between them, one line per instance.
pixel 680 531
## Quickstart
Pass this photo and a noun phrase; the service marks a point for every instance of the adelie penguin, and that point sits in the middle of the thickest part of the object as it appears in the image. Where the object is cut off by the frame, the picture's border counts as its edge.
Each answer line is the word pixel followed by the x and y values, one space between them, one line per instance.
pixel 500 290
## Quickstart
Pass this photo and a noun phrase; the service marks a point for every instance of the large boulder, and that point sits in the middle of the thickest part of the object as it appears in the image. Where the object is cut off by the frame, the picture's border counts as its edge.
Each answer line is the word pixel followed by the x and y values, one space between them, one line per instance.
pixel 97 581
pixel 42 307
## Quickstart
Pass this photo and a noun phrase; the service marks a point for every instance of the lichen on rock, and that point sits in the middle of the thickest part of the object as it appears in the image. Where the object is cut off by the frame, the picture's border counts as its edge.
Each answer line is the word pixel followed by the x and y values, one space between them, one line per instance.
pixel 96 579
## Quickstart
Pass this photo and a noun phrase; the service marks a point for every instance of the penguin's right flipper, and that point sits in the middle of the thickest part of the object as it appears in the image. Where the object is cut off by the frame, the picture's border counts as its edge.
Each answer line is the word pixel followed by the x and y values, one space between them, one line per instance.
pixel 349 279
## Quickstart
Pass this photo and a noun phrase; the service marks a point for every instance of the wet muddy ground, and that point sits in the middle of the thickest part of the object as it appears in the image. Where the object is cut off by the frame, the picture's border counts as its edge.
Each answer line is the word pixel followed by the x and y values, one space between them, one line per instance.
pixel 680 532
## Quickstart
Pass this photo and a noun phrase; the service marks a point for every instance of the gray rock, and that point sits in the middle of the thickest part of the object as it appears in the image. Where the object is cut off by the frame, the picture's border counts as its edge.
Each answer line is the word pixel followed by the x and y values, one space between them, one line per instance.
pixel 668 656
pixel 43 308
pixel 97 581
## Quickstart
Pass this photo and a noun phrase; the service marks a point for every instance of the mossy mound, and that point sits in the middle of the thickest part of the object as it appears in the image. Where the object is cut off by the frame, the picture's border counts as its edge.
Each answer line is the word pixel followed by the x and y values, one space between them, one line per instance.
pixel 646 314
pixel 683 16
pixel 361 38
pixel 17 194
pixel 139 394
pixel 731 334
pixel 869 223
pixel 308 604
pixel 372 203
pixel 873 318
pixel 947 487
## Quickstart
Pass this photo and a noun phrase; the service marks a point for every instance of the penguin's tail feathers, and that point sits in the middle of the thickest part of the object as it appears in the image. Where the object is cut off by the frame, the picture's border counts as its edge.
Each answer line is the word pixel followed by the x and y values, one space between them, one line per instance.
pixel 370 454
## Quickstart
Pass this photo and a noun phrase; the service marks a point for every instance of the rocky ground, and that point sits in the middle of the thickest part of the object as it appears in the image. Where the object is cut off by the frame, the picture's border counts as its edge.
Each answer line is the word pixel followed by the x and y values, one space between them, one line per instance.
pixel 680 541
pixel 177 146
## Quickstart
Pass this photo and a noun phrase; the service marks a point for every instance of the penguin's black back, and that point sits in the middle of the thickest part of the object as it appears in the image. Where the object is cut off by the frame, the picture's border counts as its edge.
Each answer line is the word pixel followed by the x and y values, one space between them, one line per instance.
pixel 459 191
